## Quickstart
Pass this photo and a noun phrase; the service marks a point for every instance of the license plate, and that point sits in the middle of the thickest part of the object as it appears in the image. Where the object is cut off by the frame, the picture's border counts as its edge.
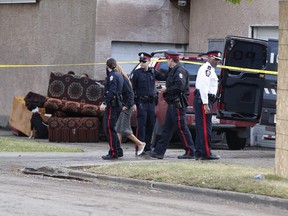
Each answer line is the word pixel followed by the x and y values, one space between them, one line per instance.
pixel 215 120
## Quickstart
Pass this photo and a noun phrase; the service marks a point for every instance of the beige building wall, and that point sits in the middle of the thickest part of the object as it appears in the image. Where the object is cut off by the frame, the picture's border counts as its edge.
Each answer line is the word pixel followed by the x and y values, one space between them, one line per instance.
pixel 81 31
pixel 214 19
pixel 281 155
pixel 76 31
pixel 46 33
pixel 150 21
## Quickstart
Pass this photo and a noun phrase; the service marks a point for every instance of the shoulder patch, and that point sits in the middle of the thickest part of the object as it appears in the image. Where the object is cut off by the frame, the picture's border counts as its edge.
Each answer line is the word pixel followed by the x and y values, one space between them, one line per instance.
pixel 207 72
pixel 180 75
pixel 111 78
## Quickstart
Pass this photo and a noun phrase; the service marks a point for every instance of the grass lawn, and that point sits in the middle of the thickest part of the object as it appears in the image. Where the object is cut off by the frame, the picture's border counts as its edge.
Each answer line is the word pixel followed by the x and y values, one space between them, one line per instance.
pixel 8 144
pixel 202 174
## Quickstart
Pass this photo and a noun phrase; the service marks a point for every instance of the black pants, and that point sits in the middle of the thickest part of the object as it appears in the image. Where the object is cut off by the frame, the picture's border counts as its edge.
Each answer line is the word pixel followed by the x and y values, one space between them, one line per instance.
pixel 110 118
pixel 146 120
pixel 175 119
pixel 203 127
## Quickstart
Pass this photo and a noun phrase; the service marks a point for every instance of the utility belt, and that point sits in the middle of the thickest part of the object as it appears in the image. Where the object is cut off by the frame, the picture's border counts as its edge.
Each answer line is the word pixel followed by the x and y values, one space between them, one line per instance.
pixel 177 101
pixel 211 97
pixel 116 101
pixel 147 99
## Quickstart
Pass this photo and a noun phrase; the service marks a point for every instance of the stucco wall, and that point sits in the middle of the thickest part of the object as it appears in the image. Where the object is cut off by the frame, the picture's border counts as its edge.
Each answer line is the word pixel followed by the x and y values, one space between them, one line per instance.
pixel 216 19
pixel 76 31
pixel 157 21
pixel 49 32
pixel 81 31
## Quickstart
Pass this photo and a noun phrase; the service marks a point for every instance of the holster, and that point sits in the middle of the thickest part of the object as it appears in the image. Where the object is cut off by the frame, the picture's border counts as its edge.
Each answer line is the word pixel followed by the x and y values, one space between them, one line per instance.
pixel 117 101
pixel 177 103
pixel 184 100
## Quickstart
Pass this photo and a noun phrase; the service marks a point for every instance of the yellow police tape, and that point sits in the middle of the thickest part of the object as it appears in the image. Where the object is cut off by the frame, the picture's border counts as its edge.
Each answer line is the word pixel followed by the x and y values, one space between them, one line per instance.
pixel 135 62
pixel 238 68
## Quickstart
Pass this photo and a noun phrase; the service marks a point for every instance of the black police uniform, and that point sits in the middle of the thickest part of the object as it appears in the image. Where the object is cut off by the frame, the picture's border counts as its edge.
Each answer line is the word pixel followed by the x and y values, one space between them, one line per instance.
pixel 143 83
pixel 113 100
pixel 176 95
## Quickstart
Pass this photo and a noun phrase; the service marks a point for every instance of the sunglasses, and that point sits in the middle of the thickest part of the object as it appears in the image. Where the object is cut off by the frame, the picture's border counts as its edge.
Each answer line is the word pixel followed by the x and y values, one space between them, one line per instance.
pixel 142 61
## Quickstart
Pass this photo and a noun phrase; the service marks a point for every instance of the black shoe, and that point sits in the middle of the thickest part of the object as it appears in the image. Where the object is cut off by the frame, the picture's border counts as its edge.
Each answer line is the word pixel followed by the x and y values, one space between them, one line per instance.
pixel 211 157
pixel 155 155
pixel 109 157
pixel 185 156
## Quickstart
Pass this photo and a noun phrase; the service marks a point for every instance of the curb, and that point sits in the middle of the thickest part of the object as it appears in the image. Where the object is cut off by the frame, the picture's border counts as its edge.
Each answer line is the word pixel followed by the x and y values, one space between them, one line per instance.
pixel 227 195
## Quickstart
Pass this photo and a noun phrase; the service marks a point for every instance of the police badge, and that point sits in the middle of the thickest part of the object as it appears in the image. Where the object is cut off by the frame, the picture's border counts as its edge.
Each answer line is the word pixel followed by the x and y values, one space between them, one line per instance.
pixel 180 75
pixel 111 78
pixel 208 72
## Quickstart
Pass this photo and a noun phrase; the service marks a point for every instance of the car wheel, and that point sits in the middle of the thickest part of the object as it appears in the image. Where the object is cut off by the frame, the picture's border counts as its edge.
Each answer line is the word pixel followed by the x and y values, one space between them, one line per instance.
pixel 234 142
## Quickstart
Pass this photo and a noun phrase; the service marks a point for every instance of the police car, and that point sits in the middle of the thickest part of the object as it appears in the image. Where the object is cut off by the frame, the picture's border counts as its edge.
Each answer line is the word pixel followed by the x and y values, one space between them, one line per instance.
pixel 236 131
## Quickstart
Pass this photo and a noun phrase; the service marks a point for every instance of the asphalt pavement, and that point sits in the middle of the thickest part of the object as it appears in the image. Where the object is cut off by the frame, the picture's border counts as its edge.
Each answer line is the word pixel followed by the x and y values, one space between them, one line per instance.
pixel 63 165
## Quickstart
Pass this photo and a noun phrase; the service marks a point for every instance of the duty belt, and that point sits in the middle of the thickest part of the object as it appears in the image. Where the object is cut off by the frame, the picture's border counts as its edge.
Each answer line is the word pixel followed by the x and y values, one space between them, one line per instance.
pixel 211 97
pixel 147 99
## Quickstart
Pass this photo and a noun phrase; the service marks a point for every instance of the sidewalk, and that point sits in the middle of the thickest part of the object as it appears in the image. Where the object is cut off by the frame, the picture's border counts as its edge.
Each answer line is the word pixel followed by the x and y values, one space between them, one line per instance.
pixel 61 165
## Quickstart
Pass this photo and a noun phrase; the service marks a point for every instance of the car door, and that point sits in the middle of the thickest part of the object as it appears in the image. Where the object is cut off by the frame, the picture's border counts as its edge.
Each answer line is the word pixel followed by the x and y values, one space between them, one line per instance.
pixel 241 92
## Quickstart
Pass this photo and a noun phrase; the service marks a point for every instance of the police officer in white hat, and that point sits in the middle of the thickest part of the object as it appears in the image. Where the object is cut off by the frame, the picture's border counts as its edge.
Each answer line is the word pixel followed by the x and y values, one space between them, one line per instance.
pixel 205 95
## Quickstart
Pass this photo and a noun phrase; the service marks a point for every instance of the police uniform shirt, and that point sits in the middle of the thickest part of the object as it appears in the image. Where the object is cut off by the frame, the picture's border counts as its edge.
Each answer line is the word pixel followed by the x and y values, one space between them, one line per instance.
pixel 177 81
pixel 114 85
pixel 206 81
pixel 143 82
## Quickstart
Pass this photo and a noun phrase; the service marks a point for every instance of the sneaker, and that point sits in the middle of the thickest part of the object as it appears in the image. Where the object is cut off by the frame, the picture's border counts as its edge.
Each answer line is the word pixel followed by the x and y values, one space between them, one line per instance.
pixel 155 155
pixel 185 156
pixel 211 157
pixel 109 157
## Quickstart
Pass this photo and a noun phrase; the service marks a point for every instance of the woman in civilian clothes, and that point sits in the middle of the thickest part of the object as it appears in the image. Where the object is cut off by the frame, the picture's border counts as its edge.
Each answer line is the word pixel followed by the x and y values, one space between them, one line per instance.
pixel 123 125
pixel 112 105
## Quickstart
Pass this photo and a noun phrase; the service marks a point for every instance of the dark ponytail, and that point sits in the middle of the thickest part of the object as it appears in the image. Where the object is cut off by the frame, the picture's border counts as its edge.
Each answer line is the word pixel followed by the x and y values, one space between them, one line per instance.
pixel 111 63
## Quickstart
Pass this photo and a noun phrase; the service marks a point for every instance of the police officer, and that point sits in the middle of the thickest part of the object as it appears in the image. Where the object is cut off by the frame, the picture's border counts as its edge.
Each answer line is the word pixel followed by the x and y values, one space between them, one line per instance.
pixel 205 95
pixel 143 82
pixel 176 95
pixel 112 105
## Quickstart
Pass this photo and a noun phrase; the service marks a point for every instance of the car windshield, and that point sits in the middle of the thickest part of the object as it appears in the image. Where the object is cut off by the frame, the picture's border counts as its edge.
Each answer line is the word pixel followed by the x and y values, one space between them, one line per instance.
pixel 191 68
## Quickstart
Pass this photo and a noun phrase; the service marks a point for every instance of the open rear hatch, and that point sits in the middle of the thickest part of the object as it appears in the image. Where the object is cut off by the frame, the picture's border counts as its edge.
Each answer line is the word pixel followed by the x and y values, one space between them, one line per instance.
pixel 241 92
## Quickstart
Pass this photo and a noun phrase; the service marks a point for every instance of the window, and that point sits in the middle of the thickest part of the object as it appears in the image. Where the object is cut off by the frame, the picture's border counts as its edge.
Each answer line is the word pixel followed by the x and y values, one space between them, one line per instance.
pixel 264 32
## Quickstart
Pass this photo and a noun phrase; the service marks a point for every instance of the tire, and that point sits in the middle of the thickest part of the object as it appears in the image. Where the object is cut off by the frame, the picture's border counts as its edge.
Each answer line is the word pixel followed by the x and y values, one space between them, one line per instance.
pixel 234 142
